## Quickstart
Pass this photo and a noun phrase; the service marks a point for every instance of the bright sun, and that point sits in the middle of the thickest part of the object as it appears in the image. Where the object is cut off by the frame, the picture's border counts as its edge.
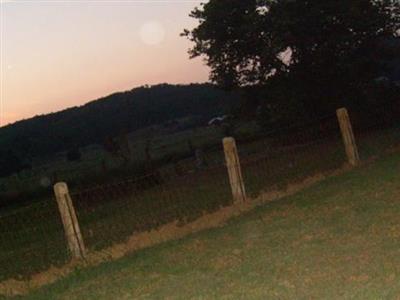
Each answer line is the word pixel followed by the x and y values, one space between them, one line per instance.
pixel 152 33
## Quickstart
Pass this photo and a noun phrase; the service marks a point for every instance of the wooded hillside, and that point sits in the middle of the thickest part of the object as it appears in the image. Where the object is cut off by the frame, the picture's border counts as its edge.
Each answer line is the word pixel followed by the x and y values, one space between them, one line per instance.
pixel 115 114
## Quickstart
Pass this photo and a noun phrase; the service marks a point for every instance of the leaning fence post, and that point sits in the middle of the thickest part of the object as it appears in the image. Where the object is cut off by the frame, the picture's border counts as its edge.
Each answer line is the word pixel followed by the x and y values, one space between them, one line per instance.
pixel 234 170
pixel 348 136
pixel 70 221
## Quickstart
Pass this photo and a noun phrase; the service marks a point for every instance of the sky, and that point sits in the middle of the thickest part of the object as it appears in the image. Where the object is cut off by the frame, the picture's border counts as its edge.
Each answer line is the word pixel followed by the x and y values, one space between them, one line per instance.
pixel 58 54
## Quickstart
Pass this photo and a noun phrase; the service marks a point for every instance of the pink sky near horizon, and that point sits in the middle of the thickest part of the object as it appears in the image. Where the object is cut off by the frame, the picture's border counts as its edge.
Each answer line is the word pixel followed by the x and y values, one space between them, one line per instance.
pixel 65 53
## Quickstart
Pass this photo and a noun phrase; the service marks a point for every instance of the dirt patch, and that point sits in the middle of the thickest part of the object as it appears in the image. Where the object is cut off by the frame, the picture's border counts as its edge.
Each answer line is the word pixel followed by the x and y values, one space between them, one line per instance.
pixel 171 231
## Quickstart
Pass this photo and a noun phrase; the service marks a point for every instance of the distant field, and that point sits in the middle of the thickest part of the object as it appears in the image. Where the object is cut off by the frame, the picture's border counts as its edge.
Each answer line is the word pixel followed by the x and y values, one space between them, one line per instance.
pixel 338 239
pixel 166 147
pixel 91 167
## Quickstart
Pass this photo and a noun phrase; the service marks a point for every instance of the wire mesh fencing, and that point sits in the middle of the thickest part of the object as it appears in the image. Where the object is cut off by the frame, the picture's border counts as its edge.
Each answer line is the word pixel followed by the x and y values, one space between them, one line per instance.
pixel 376 130
pixel 110 213
pixel 31 240
pixel 291 154
pixel 182 190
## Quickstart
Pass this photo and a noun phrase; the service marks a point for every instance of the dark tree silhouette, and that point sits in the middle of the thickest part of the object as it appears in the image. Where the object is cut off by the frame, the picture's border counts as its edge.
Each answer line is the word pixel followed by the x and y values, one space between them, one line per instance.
pixel 10 163
pixel 74 154
pixel 317 53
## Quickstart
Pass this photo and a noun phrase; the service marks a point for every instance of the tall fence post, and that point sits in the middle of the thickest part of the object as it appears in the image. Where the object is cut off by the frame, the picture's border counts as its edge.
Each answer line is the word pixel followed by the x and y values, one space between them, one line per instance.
pixel 234 170
pixel 70 221
pixel 348 136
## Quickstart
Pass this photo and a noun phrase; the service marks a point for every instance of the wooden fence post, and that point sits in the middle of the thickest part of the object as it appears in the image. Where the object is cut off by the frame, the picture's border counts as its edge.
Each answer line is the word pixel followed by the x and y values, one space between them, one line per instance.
pixel 234 170
pixel 348 136
pixel 70 221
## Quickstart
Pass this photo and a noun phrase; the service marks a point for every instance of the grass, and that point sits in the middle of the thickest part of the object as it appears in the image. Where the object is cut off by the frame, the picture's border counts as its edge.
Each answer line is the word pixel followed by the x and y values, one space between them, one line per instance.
pixel 32 238
pixel 337 239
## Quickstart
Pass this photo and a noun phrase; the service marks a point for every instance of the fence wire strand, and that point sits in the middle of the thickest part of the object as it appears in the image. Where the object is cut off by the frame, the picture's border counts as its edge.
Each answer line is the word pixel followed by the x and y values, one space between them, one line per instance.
pixel 32 237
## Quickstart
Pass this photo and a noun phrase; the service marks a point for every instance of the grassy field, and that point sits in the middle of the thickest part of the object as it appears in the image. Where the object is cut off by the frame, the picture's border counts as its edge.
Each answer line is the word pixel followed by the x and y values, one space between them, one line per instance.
pixel 32 238
pixel 90 167
pixel 337 239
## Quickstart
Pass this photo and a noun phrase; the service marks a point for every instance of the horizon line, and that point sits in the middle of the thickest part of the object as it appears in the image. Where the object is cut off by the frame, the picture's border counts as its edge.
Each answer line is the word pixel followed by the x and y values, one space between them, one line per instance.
pixel 100 98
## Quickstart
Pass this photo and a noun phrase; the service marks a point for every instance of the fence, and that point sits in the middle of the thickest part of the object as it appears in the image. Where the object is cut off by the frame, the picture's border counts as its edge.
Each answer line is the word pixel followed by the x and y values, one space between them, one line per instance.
pixel 32 238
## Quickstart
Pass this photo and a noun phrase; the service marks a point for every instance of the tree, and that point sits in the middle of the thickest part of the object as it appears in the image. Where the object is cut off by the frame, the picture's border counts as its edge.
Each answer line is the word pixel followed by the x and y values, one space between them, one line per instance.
pixel 74 154
pixel 10 163
pixel 118 147
pixel 316 50
pixel 111 146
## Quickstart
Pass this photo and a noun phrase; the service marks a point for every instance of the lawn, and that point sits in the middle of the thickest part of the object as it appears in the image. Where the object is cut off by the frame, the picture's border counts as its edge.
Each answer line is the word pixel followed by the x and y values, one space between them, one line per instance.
pixel 32 238
pixel 336 239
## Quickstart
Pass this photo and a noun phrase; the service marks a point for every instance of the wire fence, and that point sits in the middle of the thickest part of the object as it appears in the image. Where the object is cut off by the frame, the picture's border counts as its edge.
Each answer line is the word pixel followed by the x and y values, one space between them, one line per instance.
pixel 109 214
pixel 291 154
pixel 32 237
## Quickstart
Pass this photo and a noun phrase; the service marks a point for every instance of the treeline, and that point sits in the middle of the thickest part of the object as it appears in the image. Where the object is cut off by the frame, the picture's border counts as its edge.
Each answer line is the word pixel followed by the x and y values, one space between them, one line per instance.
pixel 302 59
pixel 117 114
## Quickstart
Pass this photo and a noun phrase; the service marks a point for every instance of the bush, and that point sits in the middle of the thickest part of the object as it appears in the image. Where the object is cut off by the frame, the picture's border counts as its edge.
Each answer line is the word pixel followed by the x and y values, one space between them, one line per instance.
pixel 74 155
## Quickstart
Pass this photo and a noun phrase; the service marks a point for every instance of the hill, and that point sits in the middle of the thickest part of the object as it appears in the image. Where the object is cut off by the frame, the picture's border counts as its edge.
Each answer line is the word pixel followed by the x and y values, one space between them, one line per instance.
pixel 118 113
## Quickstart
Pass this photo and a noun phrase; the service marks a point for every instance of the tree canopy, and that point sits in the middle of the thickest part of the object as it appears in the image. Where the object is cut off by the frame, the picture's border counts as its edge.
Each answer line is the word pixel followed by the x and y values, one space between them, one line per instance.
pixel 317 49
